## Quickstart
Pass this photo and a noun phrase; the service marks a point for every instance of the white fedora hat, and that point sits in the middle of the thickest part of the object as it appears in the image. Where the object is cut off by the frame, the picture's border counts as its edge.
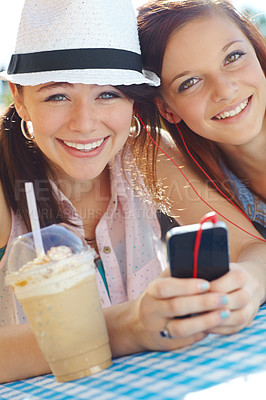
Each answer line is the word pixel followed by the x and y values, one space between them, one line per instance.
pixel 78 41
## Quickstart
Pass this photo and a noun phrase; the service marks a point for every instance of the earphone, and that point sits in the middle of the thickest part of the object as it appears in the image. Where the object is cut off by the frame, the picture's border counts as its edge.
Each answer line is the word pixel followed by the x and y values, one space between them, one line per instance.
pixel 190 184
pixel 212 217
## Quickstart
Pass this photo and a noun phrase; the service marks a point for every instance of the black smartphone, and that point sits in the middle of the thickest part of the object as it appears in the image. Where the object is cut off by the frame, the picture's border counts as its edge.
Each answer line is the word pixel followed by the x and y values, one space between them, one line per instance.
pixel 213 257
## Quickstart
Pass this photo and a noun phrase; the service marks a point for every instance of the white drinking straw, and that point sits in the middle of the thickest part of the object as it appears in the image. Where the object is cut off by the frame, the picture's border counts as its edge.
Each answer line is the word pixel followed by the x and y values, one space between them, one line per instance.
pixel 34 218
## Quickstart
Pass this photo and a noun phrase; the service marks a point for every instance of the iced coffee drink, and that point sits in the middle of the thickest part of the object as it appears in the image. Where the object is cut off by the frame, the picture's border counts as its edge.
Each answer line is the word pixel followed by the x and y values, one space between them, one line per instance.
pixel 58 293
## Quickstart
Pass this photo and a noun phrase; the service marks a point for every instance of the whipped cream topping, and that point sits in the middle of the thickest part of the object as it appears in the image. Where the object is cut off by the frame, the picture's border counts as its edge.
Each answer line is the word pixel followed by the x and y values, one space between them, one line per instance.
pixel 54 254
pixel 57 270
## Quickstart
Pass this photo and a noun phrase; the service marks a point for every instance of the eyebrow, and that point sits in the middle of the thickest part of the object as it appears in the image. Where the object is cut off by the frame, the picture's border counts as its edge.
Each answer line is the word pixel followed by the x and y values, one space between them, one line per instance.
pixel 54 85
pixel 225 48
pixel 180 76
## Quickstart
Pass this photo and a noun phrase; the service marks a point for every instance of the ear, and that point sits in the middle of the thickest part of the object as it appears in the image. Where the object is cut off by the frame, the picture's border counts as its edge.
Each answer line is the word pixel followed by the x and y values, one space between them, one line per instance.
pixel 166 111
pixel 19 102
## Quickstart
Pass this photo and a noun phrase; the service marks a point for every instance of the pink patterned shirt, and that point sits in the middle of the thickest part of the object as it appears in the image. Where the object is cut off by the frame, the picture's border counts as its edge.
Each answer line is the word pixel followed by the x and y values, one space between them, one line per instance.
pixel 128 239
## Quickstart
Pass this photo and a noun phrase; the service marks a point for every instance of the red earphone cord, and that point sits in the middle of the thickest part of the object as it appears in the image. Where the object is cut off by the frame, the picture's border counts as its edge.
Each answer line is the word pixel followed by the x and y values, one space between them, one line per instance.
pixel 211 216
pixel 204 201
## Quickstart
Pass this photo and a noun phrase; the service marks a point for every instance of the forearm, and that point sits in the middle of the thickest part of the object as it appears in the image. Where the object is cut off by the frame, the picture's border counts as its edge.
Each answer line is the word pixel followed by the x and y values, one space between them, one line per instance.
pixel 253 259
pixel 122 329
pixel 21 356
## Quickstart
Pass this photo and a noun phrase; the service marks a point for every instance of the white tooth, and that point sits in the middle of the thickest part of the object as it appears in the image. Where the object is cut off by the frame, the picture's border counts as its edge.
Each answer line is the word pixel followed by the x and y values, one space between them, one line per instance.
pixel 222 116
pixel 244 104
pixel 232 113
pixel 99 142
pixel 86 147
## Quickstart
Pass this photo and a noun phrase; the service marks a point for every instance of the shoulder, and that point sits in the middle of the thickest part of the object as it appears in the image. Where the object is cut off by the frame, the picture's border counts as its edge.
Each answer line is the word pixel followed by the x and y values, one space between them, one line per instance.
pixel 5 217
pixel 190 197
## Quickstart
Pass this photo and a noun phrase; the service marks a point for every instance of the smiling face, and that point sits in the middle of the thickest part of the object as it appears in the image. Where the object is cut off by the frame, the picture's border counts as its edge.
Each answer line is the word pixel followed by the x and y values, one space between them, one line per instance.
pixel 212 80
pixel 78 127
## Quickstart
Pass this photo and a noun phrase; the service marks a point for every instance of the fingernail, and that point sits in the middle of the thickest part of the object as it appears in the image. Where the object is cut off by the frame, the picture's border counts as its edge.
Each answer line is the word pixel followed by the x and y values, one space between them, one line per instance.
pixel 224 300
pixel 224 314
pixel 204 286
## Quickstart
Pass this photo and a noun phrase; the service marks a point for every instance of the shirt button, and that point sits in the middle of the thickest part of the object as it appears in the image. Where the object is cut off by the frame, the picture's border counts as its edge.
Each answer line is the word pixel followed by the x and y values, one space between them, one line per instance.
pixel 107 250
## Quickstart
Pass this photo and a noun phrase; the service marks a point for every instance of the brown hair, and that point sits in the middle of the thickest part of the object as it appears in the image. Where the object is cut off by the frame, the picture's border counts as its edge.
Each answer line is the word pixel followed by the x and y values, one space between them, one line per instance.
pixel 157 20
pixel 21 161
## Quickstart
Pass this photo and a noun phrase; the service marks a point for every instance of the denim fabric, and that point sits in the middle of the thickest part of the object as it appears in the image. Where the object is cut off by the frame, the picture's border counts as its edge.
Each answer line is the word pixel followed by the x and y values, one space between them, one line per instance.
pixel 253 206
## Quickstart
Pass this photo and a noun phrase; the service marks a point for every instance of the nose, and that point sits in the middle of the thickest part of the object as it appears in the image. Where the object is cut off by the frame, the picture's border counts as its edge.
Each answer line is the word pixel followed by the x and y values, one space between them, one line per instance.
pixel 224 87
pixel 83 117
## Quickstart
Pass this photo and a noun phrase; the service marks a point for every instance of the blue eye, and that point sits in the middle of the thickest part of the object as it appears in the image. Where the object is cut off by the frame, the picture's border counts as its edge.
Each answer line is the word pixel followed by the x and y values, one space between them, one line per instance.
pixel 109 95
pixel 188 84
pixel 57 97
pixel 234 56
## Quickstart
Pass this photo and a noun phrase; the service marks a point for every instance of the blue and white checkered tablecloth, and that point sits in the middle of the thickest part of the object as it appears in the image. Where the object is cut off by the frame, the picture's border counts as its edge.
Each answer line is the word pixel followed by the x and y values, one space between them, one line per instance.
pixel 219 367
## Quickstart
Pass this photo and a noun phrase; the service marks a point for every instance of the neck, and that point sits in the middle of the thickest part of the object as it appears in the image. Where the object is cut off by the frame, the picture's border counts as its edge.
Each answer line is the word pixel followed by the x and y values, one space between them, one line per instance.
pixel 248 161
pixel 79 191
pixel 90 199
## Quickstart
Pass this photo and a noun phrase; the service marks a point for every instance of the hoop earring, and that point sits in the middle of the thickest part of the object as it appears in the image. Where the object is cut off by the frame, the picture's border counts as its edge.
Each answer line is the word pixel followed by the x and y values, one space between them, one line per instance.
pixel 29 135
pixel 133 132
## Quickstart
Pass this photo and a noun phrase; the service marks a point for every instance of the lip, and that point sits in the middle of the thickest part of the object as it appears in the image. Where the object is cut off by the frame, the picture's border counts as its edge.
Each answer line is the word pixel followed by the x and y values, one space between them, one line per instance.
pixel 81 153
pixel 233 107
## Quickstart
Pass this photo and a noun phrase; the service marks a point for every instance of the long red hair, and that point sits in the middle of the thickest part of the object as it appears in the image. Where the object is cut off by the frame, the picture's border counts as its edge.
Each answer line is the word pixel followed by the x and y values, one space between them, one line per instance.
pixel 157 20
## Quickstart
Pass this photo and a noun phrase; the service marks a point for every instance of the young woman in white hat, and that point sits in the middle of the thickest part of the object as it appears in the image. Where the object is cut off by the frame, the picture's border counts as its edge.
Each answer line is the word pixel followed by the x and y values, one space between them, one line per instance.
pixel 75 77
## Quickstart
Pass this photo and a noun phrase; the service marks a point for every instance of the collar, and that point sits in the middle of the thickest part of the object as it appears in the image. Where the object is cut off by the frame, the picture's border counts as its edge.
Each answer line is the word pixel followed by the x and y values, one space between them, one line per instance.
pixel 119 191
